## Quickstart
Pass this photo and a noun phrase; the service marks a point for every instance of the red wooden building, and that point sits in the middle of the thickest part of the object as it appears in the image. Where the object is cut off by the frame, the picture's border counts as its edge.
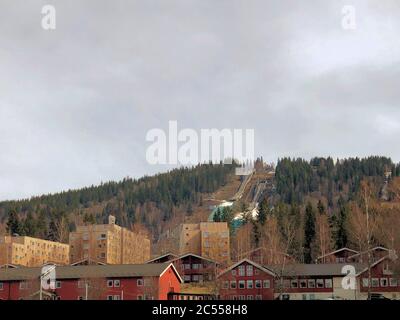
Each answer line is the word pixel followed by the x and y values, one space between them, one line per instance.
pixel 197 269
pixel 93 282
pixel 385 278
pixel 246 280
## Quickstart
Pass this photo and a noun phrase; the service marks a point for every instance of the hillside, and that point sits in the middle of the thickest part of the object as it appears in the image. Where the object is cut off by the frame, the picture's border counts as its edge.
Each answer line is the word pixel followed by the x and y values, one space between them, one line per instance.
pixel 150 202
pixel 300 208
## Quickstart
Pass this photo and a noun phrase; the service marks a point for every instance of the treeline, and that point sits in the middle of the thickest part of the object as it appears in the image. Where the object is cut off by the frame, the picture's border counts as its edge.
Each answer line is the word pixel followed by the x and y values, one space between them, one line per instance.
pixel 296 178
pixel 130 200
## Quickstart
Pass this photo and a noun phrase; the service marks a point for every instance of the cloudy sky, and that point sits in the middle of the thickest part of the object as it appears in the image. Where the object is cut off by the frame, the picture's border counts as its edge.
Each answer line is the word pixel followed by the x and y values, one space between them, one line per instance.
pixel 76 102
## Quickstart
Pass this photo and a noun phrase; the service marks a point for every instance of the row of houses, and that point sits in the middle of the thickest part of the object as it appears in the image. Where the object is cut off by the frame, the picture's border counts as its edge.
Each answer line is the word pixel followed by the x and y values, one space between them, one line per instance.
pixel 170 276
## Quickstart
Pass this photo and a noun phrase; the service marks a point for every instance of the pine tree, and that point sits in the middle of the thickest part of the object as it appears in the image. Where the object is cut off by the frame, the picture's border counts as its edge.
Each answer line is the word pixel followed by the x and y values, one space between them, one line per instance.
pixel 263 211
pixel 13 224
pixel 309 233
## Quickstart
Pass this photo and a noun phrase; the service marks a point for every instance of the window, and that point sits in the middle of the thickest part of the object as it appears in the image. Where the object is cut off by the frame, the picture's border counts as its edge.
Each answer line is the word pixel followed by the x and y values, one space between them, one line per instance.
pixel 365 282
pixel 187 278
pixel 294 284
pixel 258 297
pixel 109 297
pixel 256 272
pixel 303 283
pixel 80 298
pixel 250 297
pixel 139 282
pixel 103 236
pixel 58 284
pixel 139 297
pixel 233 284
pixel 249 270
pixel 312 296
pixel 117 283
pixel 242 297
pixel 384 282
pixel 109 283
pixel 258 284
pixel 241 271
pixel 311 283
pixel 392 282
pixel 266 284
pixel 234 272
pixel 117 297
pixel 195 277
pixel 320 283
pixel 1 286
pixel 249 284
pixel 225 285
pixel 241 284
pixel 195 266
pixel 328 283
pixel 187 266
pixel 375 282
pixel 304 296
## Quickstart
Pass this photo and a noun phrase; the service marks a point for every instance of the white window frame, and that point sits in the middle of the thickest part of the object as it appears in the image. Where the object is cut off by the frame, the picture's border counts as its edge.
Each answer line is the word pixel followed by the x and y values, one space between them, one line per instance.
pixel 242 282
pixel 266 284
pixel 139 282
pixel 251 282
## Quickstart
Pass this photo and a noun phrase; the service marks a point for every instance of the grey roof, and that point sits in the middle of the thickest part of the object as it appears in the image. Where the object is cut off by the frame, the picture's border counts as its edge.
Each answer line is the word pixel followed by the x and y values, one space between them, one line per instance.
pixel 309 270
pixel 89 271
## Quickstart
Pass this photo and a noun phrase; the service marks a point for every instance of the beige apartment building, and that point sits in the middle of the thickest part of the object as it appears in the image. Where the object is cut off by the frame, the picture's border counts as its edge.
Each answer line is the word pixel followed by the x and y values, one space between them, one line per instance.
pixel 206 239
pixel 32 252
pixel 108 243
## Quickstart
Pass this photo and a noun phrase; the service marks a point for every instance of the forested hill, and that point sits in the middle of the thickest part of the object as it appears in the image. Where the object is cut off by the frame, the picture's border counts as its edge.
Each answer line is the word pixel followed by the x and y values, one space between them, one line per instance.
pixel 148 201
pixel 297 178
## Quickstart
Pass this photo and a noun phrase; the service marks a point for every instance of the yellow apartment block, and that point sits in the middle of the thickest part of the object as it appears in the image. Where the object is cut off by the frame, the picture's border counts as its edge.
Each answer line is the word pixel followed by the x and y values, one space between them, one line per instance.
pixel 32 252
pixel 207 239
pixel 108 243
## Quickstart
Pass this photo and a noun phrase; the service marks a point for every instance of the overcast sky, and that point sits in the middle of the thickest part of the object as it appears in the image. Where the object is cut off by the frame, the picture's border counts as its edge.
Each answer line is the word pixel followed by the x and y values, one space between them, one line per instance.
pixel 76 102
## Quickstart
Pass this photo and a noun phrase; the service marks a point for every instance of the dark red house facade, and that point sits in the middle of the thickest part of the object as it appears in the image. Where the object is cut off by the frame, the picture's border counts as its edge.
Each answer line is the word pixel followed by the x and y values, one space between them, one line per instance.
pixel 196 269
pixel 385 279
pixel 246 280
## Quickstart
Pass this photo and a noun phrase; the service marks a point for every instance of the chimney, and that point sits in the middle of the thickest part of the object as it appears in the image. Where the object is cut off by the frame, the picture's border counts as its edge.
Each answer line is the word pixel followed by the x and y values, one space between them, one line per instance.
pixel 111 219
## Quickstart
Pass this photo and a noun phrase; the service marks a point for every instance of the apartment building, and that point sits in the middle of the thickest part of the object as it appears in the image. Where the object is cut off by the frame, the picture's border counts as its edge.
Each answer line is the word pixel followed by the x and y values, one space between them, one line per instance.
pixel 32 252
pixel 108 243
pixel 206 239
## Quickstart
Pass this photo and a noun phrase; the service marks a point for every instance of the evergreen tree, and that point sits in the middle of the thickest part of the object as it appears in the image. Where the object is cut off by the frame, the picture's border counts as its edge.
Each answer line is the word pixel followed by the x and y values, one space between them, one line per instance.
pixel 341 232
pixel 13 224
pixel 263 211
pixel 309 232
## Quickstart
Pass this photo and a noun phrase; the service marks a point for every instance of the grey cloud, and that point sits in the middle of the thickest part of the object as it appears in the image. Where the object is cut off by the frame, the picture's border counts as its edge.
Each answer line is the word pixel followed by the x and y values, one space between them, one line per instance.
pixel 76 103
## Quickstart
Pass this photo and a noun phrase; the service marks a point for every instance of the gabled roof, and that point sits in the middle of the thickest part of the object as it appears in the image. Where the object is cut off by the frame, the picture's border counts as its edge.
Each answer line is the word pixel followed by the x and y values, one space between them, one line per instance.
pixel 92 271
pixel 328 269
pixel 337 251
pixel 377 262
pixel 197 256
pixel 88 261
pixel 366 251
pixel 258 266
pixel 9 265
pixel 162 256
